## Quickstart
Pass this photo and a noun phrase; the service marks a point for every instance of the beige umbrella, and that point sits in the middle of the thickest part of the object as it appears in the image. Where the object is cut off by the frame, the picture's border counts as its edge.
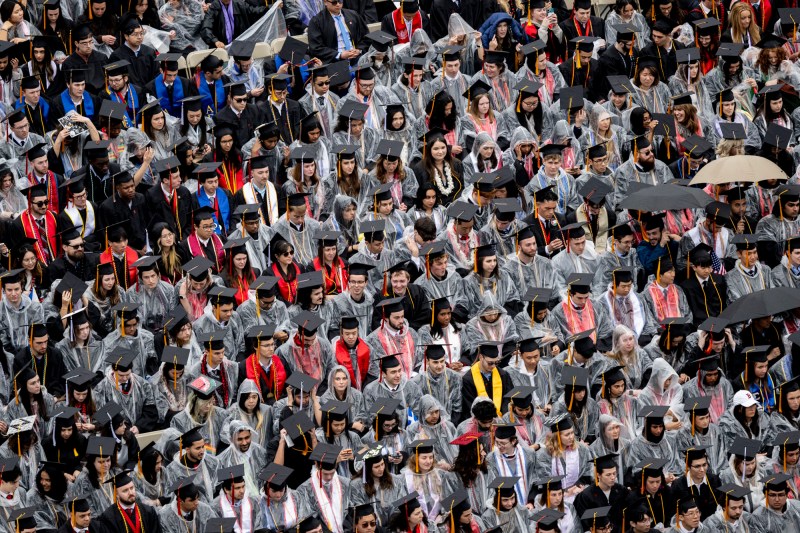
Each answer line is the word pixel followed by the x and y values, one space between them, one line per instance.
pixel 739 168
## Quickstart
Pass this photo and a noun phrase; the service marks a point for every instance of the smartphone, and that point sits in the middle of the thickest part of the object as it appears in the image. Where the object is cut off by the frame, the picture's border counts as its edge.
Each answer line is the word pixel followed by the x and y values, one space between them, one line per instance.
pixel 551 11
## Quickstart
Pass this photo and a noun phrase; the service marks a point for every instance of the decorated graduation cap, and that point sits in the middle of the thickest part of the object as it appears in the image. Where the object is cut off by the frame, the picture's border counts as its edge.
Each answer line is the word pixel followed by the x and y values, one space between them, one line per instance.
pixel 204 387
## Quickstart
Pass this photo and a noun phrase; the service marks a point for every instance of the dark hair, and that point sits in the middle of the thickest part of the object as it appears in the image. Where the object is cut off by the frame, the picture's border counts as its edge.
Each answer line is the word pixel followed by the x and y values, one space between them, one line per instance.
pixel 425 226
pixel 619 5
pixel 25 398
pixel 148 460
pixel 233 157
pixel 247 271
pixel 427 158
pixel 203 137
pixel 466 465
pixel 305 128
pixel 753 428
pixel 243 398
pixel 385 481
pixel 390 116
pixel 484 410
pixel 637 120
pixel 537 115
pixel 399 522
pixel 58 484
pixel 422 192
pixel 7 8
pixel 436 112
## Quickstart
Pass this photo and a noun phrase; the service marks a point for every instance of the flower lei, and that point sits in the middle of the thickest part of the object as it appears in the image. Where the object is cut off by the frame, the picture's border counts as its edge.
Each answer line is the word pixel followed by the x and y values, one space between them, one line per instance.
pixel 437 179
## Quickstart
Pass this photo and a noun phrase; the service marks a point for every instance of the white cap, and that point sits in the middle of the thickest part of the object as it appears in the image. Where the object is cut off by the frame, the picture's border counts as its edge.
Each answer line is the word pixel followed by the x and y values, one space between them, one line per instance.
pixel 744 398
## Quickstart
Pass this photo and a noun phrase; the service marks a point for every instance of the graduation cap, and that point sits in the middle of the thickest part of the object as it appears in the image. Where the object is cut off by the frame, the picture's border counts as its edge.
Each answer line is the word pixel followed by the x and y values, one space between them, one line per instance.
pixel 654 413
pixel 715 326
pixel 353 110
pixel 582 43
pixel 777 136
pixel 533 47
pixel 732 491
pixel 594 191
pixel 79 379
pixel 571 98
pixel 776 482
pixel 695 147
pixel 232 474
pixel 730 51
pixel 275 476
pixel 107 413
pixel 204 387
pixel 117 68
pixel 175 357
pixel 20 425
pixel 373 230
pixel 687 56
pixel 112 110
pixel 490 349
pixel 101 446
pixel 744 241
pixel 579 283
pixel 495 57
pixel 198 268
pixel 462 211
pixel 732 130
pixel 23 518
pixel 384 407
pixel 176 319
pixel 546 519
pixel 594 518
pixel 745 449
pixel 307 323
pixel 478 88
pixel 789 441
pixel 121 359
pixel 220 525
pixel 168 62
pixel 298 425
pixel 380 39
pixel 456 504
pixel 215 339
pixel 504 488
pixel 301 382
pixel 650 467
pixel 707 27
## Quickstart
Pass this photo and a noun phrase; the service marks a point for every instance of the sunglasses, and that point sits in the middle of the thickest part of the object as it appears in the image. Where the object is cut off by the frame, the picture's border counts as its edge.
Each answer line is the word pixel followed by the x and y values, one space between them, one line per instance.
pixel 240 100
pixel 322 83
pixel 40 204
pixel 287 254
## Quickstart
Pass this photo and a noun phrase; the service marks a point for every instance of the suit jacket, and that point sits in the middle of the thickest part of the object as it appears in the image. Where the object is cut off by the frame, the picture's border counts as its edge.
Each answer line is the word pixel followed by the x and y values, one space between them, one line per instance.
pixel 539 234
pixel 322 35
pixel 158 210
pixel 387 24
pixel 213 27
pixel 143 66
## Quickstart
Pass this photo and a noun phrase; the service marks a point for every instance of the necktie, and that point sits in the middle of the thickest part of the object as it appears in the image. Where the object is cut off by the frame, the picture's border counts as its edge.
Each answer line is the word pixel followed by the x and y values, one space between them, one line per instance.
pixel 343 31
pixel 321 101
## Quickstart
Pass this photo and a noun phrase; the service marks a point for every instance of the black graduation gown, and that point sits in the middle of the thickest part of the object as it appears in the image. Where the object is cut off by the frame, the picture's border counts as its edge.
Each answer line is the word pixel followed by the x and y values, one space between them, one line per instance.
pixel 570 28
pixel 698 298
pixel 38 119
pixel 158 210
pixel 469 392
pixel 131 217
pixel 416 306
pixel 287 118
pixel 668 64
pixel 51 374
pixel 585 76
pixel 613 63
pixel 84 269
pixel 749 224
pixel 704 498
pixel 292 456
pixel 99 188
pixel 539 232
pixel 95 75
pixel 112 521
pixel 592 497
pixel 245 124
pixel 132 113
pixel 143 65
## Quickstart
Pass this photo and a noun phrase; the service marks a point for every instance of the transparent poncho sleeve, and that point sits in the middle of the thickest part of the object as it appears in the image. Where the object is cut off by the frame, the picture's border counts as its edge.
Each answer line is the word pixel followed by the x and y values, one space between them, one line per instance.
pixel 185 20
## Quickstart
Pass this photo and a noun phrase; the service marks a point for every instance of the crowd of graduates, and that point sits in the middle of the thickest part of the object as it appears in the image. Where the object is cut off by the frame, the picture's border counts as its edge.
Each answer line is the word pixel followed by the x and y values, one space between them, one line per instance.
pixel 442 266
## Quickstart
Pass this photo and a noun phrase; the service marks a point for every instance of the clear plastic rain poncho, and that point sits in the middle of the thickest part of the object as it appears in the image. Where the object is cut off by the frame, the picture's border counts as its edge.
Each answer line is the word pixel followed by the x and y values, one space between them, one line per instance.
pixel 457 26
pixel 184 17
pixel 272 25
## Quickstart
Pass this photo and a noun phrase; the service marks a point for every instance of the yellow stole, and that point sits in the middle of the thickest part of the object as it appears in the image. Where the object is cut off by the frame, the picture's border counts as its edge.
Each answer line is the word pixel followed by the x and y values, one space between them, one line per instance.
pixel 497 386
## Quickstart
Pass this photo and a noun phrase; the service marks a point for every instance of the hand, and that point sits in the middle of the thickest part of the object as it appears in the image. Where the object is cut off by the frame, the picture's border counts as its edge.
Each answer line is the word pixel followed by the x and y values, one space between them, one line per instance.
pixel 774 354
pixel 452 41
pixel 258 91
pixel 403 207
pixel 15 63
pixel 135 430
pixel 149 154
pixel 358 426
pixel 456 366
pixel 109 40
pixel 286 152
pixel 752 83
pixel 283 69
pixel 552 19
pixel 683 378
pixel 79 118
pixel 556 244
pixel 351 54
pixel 284 433
pixel 664 239
pixel 740 226
pixel 62 136
pixel 3 248
pixel 66 298
pixel 314 62
pixel 555 350
pixel 172 34
pixel 69 477
pixel 653 124
pixel 219 44
pixel 493 43
pixel 456 149
pixel 3 427
pixel 729 337
pixel 205 7
pixel 281 336
pixel 669 478
pixel 701 337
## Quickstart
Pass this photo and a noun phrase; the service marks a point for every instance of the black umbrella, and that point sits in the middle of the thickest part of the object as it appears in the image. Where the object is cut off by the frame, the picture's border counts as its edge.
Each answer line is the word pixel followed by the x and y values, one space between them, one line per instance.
pixel 666 197
pixel 761 304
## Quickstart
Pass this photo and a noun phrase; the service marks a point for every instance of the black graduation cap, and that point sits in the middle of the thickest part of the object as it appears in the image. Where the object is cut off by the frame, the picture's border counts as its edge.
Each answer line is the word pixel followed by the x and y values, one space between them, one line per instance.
pixel 297 425
pixel 112 110
pixel 107 413
pixel 732 130
pixel 451 53
pixel 521 396
pixel 755 354
pixel 582 43
pixel 571 98
pixel 293 51
pixel 385 407
pixel 462 211
pixel 699 405
pixel 654 412
pixel 198 267
pixel 621 84
pixel 707 26
pixel 121 359
pixel 79 379
pixel 181 483
pixel 579 283
pixel 175 356
pixel 490 349
pixel 594 518
pixel 652 466
pixel 169 62
pixel 220 525
pixel 744 448
pixel 687 56
pixel 478 88
pixel 101 446
pixel 353 110
pixel 302 382
pixel 505 486
pixel 23 518
pixel 546 519
pixel 76 75
pixel 212 340
pixel 307 323
pixel 275 475
pixel 117 68
pixel 234 473
pixel 533 47
pixel 594 190
pixel 236 88
pixel 277 82
pixel 380 40
pixel 777 136
pixel 696 147
pixel 242 50
pixel 495 57
pixel 373 230
pixel 730 51
pixel 390 305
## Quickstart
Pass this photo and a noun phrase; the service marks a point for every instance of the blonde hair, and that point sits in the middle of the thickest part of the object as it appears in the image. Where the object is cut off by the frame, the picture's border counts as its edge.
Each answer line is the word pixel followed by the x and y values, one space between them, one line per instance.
pixel 735 18
pixel 420 480
pixel 729 147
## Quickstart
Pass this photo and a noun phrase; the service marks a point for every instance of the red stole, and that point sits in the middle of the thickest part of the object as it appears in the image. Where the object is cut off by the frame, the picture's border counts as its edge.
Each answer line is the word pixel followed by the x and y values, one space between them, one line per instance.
pixel 362 356
pixel 242 290
pixel 130 258
pixel 275 380
pixel 197 250
pixel 52 190
pixel 766 13
pixel 134 525
pixel 336 281
pixel 46 246
pixel 400 25
pixel 287 289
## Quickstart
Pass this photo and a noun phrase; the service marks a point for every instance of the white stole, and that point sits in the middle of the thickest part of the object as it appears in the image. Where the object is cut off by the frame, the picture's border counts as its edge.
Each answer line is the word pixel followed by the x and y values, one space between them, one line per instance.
pixel 330 508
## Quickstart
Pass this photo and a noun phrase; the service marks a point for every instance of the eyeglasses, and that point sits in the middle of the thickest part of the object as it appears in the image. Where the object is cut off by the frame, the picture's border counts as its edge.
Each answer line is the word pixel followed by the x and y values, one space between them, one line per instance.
pixel 491 362
pixel 137 34
pixel 208 226
pixel 335 2
pixel 240 100
pixel 322 83
pixel 40 204
pixel 77 246
pixel 373 523
pixel 287 254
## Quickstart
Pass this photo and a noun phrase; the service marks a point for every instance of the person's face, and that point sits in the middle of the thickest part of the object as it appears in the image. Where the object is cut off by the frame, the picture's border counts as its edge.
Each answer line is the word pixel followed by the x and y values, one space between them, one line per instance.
pixel 66 432
pixel 580 299
pixel 760 369
pixel 380 467
pixel 21 128
pixel 577 245
pixel 429 200
pixel 226 143
pixel 52 14
pixel 735 509
pixel 366 524
pixel 397 319
pixel 39 346
pixel 365 87
pixel 394 375
pixel 793 400
pixel 334 7
pixel 127 190
pixel 317 296
pixel 463 228
pixel 399 282
pixel 624 288
pixel 487 150
pixel 552 165
pixel 397 120
pixel 237 490
pixel 416 517
pixel 491 70
pixel 239 261
pixel 150 279
pixel 679 114
pixel 356 127
pixel 608 476
pixel 244 439
pixel 432 416
pixel 624 245
pixel 425 462
pixel 275 494
pixel 508 502
pixel 117 83
pixel 217 75
pixel 484 105
pixel 102 464
pixel 127 494
pixel 439 267
pixel 44 478
pixel 322 85
pixel 702 421
pixel 502 29
pixel 118 247
pixel 488 363
pixel 239 102
pixel 776 105
pixel 582 15
pixel 390 166
pixel 309 169
pixel 452 68
pixel 205 228
pixel 618 389
pixel 79 396
pixel 691 518
pixel 314 135
pixel 745 19
pixel 618 100
pixel 375 247
pixel 196 451
pixel 791 209
pixel 438 150
pixel 568 435
pixel 776 499
pixel 792 457
pixel 13 291
pixel 189 505
pixel 646 78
